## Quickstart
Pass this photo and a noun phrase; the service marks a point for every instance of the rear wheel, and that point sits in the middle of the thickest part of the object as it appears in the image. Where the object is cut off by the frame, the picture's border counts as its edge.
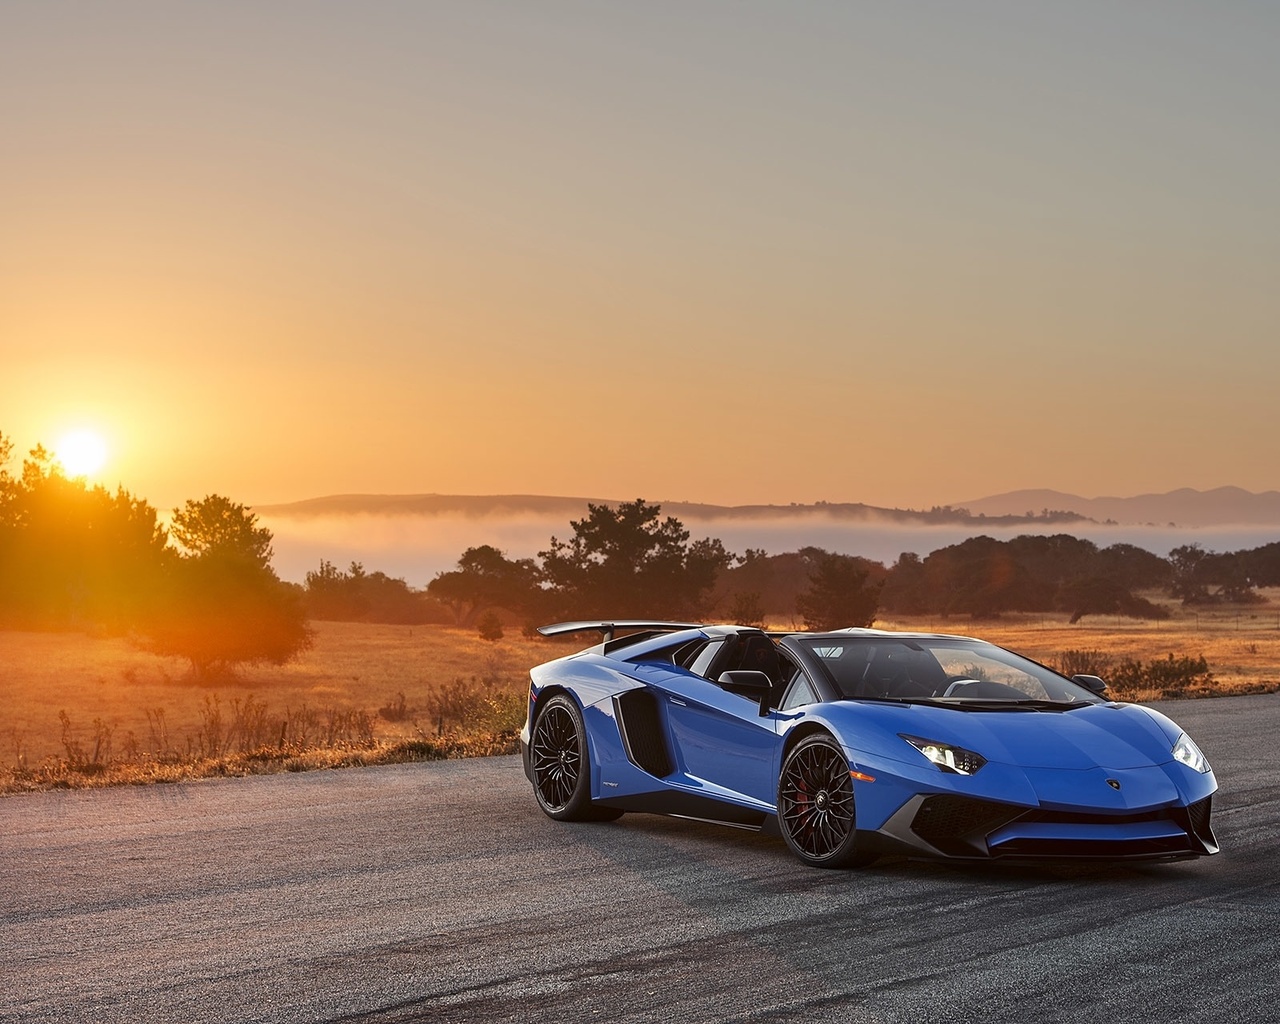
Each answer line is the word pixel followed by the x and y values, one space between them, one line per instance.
pixel 561 767
pixel 815 804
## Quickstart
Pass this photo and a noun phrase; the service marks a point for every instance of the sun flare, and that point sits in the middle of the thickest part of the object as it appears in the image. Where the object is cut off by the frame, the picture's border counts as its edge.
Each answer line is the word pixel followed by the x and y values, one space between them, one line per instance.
pixel 81 453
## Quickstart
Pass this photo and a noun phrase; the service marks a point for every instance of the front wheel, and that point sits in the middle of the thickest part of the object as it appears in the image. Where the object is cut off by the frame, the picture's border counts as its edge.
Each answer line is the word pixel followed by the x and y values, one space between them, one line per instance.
pixel 561 767
pixel 815 804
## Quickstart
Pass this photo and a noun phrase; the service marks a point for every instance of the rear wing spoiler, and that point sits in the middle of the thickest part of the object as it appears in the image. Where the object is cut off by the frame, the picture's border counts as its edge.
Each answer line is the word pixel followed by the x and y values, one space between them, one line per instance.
pixel 608 629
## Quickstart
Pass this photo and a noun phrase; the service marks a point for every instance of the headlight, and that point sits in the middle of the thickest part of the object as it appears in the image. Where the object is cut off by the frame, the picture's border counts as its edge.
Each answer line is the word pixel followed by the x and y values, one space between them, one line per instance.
pixel 952 759
pixel 1189 754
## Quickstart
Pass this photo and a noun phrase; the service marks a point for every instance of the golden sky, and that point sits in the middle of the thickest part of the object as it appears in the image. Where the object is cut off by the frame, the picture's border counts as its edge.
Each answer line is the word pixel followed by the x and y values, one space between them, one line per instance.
pixel 735 252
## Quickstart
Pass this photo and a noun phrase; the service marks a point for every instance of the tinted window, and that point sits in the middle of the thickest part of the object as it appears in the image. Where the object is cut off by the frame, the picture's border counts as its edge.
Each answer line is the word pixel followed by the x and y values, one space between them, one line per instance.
pixel 943 669
pixel 799 693
pixel 707 655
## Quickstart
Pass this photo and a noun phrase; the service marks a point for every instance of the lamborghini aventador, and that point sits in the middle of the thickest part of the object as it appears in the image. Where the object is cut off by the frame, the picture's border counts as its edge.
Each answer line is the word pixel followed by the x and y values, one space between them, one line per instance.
pixel 858 743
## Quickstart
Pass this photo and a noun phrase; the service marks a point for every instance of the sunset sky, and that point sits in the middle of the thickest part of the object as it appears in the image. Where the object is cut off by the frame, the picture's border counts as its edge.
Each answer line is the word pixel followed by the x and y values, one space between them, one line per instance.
pixel 735 252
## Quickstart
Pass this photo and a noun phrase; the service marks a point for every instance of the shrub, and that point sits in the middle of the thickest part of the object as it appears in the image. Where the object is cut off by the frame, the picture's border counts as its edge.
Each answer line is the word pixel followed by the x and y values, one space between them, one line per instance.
pixel 1088 663
pixel 747 609
pixel 1173 677
pixel 396 710
pixel 476 705
pixel 841 593
pixel 490 626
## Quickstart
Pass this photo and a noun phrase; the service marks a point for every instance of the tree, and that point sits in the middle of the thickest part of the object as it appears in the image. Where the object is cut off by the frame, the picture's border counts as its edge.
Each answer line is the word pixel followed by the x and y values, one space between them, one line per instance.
pixel 982 576
pixel 359 596
pixel 9 544
pixel 1263 564
pixel 906 589
pixel 216 527
pixel 840 593
pixel 224 604
pixel 1188 579
pixel 626 562
pixel 333 594
pixel 484 579
pixel 8 485
pixel 1132 567
pixel 1233 573
pixel 1096 596
pixel 747 609
pixel 490 626
pixel 71 555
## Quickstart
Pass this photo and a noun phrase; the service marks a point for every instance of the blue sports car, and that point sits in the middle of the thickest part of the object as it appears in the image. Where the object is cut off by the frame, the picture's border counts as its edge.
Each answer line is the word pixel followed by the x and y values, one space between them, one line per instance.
pixel 859 743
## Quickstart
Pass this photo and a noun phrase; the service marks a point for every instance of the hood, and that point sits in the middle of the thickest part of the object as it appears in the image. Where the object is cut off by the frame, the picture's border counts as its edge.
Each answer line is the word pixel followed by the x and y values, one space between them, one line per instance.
pixel 1114 736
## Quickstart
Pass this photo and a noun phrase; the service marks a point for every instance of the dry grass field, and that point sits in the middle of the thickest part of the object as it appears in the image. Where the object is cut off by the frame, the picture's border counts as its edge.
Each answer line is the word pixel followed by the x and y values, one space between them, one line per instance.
pixel 81 710
pixel 363 693
pixel 1241 645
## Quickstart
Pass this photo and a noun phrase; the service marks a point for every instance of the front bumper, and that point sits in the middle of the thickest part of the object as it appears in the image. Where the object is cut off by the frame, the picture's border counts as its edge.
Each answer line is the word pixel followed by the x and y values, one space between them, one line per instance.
pixel 951 825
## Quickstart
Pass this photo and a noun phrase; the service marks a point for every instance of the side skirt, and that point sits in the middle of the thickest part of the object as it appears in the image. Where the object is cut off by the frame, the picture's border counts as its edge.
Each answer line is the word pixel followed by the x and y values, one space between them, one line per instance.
pixel 687 805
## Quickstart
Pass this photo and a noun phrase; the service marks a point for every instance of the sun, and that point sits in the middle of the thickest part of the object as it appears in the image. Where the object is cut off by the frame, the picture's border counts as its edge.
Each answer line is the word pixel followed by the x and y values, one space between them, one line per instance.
pixel 81 453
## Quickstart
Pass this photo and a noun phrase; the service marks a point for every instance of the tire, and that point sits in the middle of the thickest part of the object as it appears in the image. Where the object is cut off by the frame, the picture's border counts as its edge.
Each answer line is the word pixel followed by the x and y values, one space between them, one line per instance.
pixel 816 812
pixel 561 767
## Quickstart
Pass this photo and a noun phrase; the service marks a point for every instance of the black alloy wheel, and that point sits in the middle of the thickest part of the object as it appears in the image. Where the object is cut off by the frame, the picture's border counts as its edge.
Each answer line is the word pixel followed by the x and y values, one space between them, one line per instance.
pixel 561 768
pixel 815 804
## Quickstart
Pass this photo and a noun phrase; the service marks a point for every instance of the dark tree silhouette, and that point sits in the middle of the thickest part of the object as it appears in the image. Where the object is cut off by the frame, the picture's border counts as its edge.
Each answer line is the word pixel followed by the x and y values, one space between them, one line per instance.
pixel 1096 596
pixel 72 556
pixel 747 609
pixel 906 589
pixel 984 577
pixel 359 596
pixel 223 603
pixel 1263 564
pixel 626 562
pixel 1196 570
pixel 485 579
pixel 490 626
pixel 218 528
pixel 1189 579
pixel 841 593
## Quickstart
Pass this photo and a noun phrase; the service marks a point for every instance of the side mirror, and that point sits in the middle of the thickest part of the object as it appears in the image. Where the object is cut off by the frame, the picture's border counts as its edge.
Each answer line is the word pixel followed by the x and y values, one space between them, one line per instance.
pixel 750 683
pixel 1094 684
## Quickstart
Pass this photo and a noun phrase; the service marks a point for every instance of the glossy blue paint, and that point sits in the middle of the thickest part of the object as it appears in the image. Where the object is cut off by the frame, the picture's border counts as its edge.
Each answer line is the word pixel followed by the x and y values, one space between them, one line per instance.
pixel 1093 762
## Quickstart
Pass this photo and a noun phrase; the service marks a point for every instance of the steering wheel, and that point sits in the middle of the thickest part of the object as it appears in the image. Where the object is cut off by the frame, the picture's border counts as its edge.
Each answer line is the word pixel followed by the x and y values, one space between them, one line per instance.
pixel 958 684
pixel 873 684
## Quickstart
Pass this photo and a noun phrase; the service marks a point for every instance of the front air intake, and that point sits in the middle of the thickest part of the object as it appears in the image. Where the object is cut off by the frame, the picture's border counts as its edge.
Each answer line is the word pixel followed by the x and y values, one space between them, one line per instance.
pixel 959 825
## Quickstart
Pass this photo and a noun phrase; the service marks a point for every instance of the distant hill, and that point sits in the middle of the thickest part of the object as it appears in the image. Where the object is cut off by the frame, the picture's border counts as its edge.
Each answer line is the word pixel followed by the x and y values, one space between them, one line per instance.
pixel 508 505
pixel 1222 506
pixel 476 505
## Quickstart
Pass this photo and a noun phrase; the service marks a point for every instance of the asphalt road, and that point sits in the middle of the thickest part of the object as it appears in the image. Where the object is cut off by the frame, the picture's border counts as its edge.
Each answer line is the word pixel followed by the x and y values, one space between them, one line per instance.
pixel 438 892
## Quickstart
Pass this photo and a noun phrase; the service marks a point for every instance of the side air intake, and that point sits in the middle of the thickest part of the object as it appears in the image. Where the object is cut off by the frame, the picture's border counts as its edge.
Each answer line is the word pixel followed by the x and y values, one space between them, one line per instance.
pixel 640 723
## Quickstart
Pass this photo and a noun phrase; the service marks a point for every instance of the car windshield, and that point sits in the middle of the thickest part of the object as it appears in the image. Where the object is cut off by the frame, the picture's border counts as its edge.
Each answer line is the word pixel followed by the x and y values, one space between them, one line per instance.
pixel 943 671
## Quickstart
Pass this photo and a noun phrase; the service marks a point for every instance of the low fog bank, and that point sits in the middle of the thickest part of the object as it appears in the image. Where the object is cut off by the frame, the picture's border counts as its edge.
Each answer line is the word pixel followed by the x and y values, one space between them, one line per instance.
pixel 416 548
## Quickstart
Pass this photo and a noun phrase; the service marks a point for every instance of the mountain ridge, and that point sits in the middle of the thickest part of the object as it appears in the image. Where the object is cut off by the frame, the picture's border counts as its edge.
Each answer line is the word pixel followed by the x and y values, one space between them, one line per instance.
pixel 1183 507
pixel 486 505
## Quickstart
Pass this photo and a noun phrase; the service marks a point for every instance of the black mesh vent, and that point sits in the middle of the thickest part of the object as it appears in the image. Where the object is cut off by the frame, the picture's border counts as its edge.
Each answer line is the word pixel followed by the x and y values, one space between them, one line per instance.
pixel 1195 819
pixel 1088 818
pixel 1171 846
pixel 1198 817
pixel 1192 819
pixel 640 723
pixel 960 824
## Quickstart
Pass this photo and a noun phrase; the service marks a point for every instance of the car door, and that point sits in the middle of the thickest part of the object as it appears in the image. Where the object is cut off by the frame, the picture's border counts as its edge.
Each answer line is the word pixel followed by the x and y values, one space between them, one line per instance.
pixel 719 739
